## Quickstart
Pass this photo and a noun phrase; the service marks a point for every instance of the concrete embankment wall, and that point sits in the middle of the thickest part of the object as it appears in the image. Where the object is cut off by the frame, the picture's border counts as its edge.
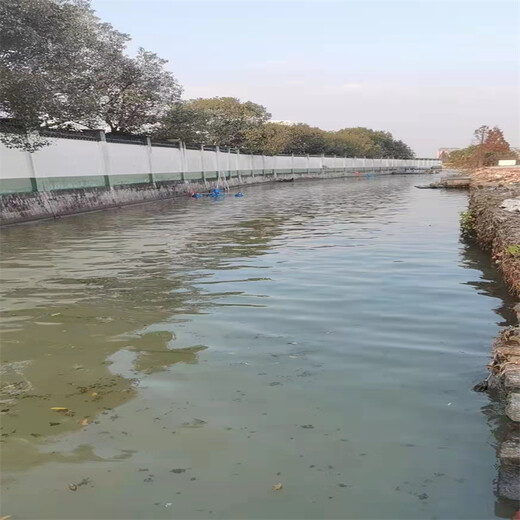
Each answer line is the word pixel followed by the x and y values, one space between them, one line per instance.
pixel 28 206
pixel 79 172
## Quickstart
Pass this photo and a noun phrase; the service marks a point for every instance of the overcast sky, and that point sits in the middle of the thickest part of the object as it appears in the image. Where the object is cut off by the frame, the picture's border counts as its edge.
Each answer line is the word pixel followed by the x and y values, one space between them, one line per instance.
pixel 428 71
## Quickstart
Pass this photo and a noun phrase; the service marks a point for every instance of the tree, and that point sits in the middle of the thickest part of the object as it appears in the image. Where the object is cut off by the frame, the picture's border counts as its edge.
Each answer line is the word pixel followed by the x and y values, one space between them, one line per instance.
pixel 185 122
pixel 490 146
pixel 49 53
pixel 224 121
pixel 495 141
pixel 304 139
pixel 480 134
pixel 464 158
pixel 60 64
pixel 136 93
pixel 268 139
pixel 364 142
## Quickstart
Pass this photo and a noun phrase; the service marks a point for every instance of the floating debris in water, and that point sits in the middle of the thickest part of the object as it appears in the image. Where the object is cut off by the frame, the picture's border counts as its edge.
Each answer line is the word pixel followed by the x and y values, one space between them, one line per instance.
pixel 277 487
pixel 195 423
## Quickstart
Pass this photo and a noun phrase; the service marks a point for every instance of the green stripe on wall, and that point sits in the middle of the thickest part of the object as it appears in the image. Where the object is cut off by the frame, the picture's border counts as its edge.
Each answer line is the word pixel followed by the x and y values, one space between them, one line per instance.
pixel 135 178
pixel 8 186
pixel 67 183
pixel 15 185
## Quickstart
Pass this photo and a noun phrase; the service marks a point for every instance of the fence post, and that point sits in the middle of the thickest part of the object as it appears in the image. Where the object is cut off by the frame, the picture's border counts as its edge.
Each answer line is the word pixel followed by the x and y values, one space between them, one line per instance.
pixel 237 162
pixel 263 164
pixel 217 151
pixel 105 159
pixel 32 171
pixel 202 163
pixel 229 162
pixel 322 163
pixel 292 163
pixel 149 157
pixel 182 147
pixel 308 164
pixel 345 164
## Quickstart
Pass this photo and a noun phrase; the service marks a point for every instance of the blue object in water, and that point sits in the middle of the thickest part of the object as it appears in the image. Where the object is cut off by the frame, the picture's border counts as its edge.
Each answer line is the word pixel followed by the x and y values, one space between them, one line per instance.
pixel 239 194
pixel 197 195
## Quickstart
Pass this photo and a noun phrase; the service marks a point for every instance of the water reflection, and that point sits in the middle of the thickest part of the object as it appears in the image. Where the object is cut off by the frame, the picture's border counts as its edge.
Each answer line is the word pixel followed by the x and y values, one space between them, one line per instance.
pixel 78 291
pixel 64 322
pixel 320 334
pixel 492 284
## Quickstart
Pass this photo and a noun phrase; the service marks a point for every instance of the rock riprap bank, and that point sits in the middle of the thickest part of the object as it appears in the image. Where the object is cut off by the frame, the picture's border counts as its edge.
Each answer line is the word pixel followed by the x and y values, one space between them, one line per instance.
pixel 493 220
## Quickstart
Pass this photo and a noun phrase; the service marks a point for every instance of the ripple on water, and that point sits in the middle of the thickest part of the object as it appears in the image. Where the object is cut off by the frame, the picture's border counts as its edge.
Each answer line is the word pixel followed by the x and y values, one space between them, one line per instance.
pixel 321 335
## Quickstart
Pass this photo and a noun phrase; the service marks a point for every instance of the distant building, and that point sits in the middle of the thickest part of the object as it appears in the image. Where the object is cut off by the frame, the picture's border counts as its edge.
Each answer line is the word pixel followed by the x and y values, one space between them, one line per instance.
pixel 443 153
pixel 283 122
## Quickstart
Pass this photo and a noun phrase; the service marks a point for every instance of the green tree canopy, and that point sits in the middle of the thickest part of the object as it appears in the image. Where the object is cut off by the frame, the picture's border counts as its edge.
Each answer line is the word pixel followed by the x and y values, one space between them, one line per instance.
pixel 136 93
pixel 60 64
pixel 224 121
pixel 364 142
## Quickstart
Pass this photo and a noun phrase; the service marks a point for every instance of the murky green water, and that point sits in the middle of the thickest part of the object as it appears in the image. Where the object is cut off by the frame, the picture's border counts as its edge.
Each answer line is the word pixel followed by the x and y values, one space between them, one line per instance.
pixel 321 335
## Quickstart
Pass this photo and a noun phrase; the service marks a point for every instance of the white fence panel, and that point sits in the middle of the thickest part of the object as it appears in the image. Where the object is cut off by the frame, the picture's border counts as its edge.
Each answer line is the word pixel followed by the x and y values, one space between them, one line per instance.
pixel 87 158
pixel 69 158
pixel 300 163
pixel 328 162
pixel 126 159
pixel 270 161
pixel 210 161
pixel 165 160
pixel 258 162
pixel 222 161
pixel 193 161
pixel 283 163
pixel 244 162
pixel 14 164
pixel 315 163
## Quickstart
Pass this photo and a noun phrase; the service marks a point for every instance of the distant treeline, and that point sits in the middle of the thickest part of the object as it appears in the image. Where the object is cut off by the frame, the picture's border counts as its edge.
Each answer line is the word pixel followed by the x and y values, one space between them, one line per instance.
pixel 62 67
pixel 488 147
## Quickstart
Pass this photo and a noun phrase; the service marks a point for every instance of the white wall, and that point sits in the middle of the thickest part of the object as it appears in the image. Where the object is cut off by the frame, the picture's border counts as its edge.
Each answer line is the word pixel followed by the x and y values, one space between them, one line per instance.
pixel 193 161
pixel 165 160
pixel 74 158
pixel 14 164
pixel 210 161
pixel 126 159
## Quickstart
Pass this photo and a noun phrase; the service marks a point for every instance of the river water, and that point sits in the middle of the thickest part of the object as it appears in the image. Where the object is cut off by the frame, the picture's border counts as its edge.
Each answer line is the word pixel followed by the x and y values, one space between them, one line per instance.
pixel 320 335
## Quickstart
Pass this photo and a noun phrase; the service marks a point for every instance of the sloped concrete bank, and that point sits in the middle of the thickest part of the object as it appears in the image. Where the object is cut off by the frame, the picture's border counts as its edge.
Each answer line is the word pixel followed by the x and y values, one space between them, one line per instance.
pixel 493 219
pixel 24 207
